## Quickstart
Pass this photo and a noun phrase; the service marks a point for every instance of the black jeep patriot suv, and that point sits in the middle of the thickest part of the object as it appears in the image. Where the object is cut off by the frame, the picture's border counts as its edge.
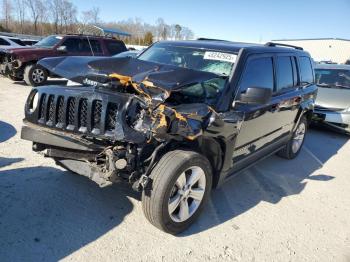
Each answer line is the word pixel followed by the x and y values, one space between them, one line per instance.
pixel 175 122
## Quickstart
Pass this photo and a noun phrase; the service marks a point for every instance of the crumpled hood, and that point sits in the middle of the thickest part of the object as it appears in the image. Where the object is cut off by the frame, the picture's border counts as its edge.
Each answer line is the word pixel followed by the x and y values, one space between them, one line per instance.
pixel 153 80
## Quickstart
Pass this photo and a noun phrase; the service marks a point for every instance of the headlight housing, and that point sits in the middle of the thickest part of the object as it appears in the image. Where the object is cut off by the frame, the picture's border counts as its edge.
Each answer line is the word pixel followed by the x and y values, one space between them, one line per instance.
pixel 33 101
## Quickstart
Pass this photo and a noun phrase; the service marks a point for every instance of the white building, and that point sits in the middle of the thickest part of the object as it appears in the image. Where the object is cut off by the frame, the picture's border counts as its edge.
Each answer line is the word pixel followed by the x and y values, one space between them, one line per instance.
pixel 323 49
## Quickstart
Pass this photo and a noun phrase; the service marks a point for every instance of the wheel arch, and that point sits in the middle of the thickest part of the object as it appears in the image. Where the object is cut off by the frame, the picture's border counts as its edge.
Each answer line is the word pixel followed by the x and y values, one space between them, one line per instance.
pixel 212 149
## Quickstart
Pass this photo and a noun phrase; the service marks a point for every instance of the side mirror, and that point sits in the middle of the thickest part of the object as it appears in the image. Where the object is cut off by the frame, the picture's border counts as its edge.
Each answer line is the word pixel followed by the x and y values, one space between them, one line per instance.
pixel 256 95
pixel 62 49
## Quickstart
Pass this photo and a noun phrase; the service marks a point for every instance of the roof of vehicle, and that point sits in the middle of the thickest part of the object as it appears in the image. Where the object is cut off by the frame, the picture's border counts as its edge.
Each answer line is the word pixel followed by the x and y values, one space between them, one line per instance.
pixel 228 46
pixel 332 66
pixel 9 37
pixel 91 36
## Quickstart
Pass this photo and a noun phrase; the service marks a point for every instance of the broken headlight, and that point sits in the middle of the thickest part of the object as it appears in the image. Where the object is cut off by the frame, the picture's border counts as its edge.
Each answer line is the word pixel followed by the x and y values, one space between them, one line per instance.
pixel 136 116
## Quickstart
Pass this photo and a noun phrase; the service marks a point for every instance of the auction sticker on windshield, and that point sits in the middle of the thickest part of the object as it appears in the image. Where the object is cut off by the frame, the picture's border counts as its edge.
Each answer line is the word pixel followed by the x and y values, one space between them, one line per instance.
pixel 220 56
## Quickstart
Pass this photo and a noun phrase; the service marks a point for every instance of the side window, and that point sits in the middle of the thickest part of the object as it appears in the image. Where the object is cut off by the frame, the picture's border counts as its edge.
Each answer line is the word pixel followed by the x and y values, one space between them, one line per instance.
pixel 285 77
pixel 306 71
pixel 295 71
pixel 96 46
pixel 76 45
pixel 258 73
pixel 114 47
pixel 72 44
pixel 3 42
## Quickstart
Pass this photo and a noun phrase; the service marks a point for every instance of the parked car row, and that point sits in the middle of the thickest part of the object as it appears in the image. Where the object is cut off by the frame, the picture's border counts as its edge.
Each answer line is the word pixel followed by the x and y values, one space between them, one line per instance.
pixel 22 63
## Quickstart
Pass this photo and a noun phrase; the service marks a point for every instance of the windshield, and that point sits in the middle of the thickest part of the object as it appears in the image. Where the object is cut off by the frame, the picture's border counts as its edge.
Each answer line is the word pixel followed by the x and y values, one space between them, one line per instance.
pixel 49 41
pixel 217 62
pixel 17 41
pixel 333 78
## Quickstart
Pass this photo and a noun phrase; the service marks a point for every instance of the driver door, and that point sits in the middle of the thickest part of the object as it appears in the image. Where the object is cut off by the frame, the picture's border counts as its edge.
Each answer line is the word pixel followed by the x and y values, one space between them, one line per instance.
pixel 260 126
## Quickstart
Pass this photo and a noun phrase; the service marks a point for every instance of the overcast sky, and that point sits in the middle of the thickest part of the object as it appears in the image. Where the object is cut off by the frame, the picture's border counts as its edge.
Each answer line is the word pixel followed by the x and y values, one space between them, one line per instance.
pixel 238 20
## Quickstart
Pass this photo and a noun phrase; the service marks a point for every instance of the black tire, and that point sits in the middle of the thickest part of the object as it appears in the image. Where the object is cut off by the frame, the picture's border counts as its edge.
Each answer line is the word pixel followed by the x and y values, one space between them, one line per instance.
pixel 164 176
pixel 287 152
pixel 31 75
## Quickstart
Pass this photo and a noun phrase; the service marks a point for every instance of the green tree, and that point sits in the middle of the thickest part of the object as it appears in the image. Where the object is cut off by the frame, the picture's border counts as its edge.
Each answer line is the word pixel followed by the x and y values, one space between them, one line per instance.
pixel 148 38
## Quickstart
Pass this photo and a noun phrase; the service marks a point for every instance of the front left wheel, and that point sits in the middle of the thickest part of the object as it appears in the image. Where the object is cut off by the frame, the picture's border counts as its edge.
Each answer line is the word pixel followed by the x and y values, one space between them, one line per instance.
pixel 35 75
pixel 181 184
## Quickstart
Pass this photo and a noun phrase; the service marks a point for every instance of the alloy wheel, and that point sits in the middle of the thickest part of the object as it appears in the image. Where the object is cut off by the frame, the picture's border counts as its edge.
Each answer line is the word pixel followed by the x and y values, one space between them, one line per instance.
pixel 187 194
pixel 38 75
pixel 298 137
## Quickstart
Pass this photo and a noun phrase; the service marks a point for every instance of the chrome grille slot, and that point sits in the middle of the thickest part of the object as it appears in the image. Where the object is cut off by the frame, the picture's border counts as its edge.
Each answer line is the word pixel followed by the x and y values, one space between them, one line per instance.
pixel 71 113
pixel 60 111
pixel 112 110
pixel 51 110
pixel 96 116
pixel 42 108
pixel 83 115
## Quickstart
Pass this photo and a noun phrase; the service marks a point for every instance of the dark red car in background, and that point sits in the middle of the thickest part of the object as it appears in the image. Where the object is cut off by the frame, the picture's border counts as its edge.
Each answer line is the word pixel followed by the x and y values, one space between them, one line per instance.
pixel 21 63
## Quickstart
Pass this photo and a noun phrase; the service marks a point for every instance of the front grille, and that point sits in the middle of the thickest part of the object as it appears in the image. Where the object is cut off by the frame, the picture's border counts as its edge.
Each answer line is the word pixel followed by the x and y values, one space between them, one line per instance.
pixel 111 116
pixel 60 110
pixel 42 107
pixel 77 114
pixel 96 111
pixel 83 113
pixel 71 111
pixel 51 111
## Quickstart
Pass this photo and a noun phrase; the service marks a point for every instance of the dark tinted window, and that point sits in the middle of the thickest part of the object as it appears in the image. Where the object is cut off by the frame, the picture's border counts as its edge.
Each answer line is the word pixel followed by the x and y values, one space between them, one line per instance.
pixel 306 70
pixel 333 78
pixel 285 72
pixel 115 47
pixel 76 45
pixel 3 42
pixel 258 73
pixel 96 46
pixel 17 41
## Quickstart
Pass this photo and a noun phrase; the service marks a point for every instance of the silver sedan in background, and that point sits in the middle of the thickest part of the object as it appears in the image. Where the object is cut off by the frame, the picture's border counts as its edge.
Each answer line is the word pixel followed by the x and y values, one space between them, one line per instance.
pixel 332 106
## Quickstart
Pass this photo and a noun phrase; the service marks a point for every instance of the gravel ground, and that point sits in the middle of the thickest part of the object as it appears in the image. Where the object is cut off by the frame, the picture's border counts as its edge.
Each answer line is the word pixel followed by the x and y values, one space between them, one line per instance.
pixel 278 210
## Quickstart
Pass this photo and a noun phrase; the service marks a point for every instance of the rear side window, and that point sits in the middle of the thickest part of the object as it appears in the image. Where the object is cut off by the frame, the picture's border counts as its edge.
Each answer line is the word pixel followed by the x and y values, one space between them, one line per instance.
pixel 3 42
pixel 77 45
pixel 96 46
pixel 285 75
pixel 115 47
pixel 17 41
pixel 306 71
pixel 258 73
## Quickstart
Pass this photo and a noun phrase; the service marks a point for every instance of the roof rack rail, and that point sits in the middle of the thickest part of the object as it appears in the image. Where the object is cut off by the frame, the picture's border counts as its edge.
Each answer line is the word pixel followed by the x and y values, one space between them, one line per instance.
pixel 285 45
pixel 211 39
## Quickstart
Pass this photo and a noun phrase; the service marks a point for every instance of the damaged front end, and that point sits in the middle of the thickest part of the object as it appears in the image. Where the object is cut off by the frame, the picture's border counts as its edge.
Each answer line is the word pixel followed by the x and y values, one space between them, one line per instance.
pixel 117 122
pixel 10 64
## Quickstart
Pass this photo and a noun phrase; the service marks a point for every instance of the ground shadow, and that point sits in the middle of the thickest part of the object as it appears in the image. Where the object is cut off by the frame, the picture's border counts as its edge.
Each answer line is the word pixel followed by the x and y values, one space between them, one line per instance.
pixel 270 180
pixel 47 214
pixel 6 131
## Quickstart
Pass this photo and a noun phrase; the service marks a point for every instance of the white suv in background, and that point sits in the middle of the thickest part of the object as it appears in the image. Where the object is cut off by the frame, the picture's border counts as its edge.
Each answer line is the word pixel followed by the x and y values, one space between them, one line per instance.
pixel 7 42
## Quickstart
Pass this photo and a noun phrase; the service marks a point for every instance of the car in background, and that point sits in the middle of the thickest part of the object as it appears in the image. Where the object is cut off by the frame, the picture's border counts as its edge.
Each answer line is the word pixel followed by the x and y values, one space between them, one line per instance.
pixel 21 63
pixel 130 53
pixel 7 42
pixel 332 106
pixel 29 42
